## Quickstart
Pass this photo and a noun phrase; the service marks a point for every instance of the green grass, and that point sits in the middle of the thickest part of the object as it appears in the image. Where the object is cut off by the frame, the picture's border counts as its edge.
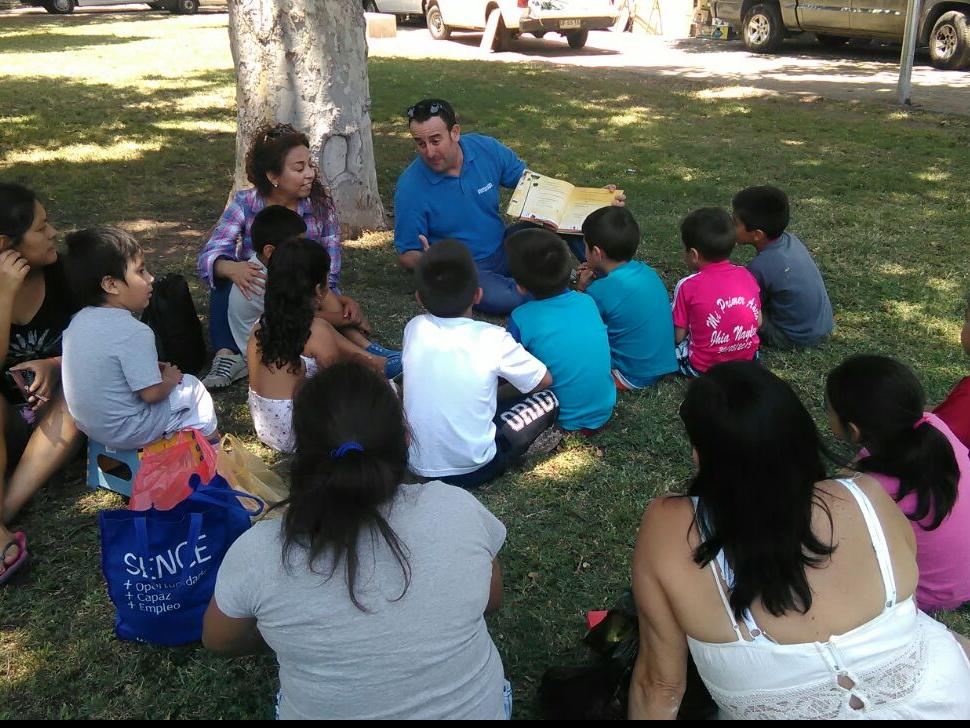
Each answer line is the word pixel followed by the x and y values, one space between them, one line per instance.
pixel 129 120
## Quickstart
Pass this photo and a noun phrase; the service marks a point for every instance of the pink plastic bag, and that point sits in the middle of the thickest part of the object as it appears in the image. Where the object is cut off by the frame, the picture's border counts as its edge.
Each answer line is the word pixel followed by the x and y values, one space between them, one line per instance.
pixel 162 480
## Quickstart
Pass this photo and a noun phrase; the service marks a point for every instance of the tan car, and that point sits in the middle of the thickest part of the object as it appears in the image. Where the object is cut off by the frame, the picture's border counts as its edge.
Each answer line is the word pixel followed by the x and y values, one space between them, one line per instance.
pixel 572 19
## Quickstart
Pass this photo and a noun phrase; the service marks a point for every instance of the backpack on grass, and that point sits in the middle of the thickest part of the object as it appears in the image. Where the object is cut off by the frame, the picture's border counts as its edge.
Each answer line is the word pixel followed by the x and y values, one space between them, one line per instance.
pixel 172 316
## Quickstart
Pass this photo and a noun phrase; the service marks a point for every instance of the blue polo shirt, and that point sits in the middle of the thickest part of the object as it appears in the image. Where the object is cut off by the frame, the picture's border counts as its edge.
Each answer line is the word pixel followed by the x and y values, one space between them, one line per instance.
pixel 566 334
pixel 465 208
pixel 635 307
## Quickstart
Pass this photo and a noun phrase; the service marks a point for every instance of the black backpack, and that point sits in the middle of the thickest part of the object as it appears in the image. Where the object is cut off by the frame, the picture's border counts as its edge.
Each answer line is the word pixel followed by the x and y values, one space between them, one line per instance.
pixel 171 315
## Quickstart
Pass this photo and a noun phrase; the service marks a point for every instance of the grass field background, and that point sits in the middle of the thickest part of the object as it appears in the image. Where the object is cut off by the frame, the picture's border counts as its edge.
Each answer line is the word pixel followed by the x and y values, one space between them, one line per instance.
pixel 129 119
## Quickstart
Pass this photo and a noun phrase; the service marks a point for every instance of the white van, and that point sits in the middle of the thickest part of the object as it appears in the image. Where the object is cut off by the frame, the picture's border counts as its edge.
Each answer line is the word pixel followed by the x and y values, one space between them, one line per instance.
pixel 570 18
pixel 63 7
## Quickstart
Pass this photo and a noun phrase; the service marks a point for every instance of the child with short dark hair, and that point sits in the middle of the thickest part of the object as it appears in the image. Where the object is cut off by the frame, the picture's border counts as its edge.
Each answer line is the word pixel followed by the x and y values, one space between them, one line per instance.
pixel 562 328
pixel 272 226
pixel 631 299
pixel 452 366
pixel 955 411
pixel 117 391
pixel 717 309
pixel 796 311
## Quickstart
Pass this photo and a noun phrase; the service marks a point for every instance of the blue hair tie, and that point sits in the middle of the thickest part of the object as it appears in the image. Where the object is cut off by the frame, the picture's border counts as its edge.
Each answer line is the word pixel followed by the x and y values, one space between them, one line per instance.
pixel 346 448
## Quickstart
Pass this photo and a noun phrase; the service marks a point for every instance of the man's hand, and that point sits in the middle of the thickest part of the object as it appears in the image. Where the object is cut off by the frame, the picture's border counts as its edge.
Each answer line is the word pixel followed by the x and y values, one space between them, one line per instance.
pixel 586 276
pixel 619 199
pixel 47 375
pixel 13 270
pixel 248 276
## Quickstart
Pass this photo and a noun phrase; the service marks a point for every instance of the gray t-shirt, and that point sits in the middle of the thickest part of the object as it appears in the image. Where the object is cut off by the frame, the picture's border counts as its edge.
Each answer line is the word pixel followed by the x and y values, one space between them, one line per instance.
pixel 426 655
pixel 792 290
pixel 245 312
pixel 108 356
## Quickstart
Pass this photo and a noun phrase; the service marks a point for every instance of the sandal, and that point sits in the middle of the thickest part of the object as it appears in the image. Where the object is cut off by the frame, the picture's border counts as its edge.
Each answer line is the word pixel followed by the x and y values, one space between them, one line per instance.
pixel 19 540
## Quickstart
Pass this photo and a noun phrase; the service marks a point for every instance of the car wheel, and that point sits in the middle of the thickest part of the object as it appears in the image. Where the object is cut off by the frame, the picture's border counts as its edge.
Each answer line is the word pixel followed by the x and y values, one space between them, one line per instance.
pixel 950 41
pixel 59 7
pixel 623 17
pixel 436 24
pixel 831 41
pixel 578 39
pixel 370 6
pixel 154 6
pixel 762 29
pixel 539 34
pixel 186 7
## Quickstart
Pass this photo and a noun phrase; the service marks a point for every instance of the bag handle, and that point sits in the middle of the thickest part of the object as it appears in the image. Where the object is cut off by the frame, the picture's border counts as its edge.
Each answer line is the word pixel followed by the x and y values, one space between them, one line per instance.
pixel 205 493
pixel 141 534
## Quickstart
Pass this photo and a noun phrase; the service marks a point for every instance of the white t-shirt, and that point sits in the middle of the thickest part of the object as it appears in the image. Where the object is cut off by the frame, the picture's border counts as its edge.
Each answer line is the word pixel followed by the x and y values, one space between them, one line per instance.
pixel 451 371
pixel 243 313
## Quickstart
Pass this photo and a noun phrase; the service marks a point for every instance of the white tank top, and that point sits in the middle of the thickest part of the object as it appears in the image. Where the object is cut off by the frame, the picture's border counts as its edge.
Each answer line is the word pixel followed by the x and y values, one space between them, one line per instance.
pixel 901 664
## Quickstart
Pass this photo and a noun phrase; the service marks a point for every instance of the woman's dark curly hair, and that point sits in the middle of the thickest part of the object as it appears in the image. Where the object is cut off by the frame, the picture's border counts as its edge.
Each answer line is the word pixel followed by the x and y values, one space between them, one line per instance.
pixel 267 153
pixel 296 269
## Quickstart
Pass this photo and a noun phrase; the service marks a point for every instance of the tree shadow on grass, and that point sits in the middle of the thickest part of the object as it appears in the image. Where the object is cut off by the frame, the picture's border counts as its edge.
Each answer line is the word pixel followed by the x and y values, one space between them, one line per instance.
pixel 60 42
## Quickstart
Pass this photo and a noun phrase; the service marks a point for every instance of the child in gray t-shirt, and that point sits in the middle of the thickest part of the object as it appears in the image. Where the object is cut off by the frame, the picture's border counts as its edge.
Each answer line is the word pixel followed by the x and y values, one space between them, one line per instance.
pixel 117 391
pixel 795 306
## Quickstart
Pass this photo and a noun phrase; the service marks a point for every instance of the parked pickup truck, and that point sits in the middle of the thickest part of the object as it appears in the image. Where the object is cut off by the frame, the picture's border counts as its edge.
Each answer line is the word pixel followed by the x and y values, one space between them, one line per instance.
pixel 944 25
pixel 570 18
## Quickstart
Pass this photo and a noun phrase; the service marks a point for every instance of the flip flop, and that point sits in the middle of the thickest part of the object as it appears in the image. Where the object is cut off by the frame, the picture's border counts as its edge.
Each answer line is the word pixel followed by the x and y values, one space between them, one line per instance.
pixel 20 540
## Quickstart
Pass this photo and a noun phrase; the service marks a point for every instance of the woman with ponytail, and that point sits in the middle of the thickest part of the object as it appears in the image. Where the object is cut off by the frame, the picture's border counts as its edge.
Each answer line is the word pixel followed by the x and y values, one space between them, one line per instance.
pixel 372 594
pixel 877 403
pixel 290 342
pixel 792 592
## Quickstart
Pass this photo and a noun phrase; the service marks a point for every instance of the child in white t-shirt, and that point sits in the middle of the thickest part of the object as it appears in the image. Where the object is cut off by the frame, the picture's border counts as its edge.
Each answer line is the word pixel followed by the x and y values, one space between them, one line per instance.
pixel 452 367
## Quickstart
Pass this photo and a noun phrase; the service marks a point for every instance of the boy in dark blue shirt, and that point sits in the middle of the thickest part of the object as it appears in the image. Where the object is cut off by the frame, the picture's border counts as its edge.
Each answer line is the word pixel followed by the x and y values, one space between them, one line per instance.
pixel 795 305
pixel 631 299
pixel 563 329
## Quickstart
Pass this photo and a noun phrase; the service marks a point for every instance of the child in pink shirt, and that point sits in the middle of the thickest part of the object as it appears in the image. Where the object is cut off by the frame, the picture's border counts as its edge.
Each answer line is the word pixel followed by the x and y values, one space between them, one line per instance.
pixel 878 403
pixel 717 310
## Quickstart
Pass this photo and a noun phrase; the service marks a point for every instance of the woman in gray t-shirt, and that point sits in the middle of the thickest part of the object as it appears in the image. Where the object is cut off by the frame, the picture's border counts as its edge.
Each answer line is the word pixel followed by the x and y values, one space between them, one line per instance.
pixel 372 594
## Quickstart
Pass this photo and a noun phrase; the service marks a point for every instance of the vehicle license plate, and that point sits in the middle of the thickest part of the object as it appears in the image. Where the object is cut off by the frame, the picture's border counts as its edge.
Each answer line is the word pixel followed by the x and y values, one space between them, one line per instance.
pixel 567 24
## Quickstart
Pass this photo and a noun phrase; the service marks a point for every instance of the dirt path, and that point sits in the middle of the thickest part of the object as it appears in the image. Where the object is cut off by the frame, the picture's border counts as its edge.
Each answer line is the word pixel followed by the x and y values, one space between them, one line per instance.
pixel 804 69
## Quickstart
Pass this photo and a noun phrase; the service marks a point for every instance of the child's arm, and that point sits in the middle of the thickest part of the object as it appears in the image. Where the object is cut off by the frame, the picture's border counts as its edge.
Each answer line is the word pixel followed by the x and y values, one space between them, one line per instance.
pixel 171 377
pixel 681 334
pixel 342 311
pixel 544 384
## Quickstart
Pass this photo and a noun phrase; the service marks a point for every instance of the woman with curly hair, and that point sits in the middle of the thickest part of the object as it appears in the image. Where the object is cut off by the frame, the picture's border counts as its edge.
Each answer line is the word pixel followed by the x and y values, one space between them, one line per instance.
pixel 282 171
pixel 291 342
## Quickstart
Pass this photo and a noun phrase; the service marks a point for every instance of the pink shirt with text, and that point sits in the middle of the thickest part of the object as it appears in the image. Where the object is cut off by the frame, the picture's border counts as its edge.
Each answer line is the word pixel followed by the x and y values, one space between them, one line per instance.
pixel 942 555
pixel 719 306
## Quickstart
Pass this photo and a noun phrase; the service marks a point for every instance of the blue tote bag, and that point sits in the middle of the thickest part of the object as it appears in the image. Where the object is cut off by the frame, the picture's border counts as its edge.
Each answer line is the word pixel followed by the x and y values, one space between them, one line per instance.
pixel 161 566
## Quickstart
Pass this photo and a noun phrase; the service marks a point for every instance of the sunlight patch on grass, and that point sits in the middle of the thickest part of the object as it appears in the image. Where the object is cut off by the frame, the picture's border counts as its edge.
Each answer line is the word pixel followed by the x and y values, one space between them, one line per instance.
pixel 933 175
pixel 733 92
pixel 19 663
pixel 208 100
pixel 212 127
pixel 124 150
pixel 370 241
pixel 566 465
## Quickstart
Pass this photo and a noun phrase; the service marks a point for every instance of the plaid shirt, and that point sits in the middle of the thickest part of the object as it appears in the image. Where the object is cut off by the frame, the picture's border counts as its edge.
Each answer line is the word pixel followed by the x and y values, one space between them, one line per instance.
pixel 231 238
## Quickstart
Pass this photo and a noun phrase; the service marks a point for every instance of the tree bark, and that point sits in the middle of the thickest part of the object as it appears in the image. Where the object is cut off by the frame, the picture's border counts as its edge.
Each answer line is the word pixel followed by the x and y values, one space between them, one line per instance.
pixel 304 62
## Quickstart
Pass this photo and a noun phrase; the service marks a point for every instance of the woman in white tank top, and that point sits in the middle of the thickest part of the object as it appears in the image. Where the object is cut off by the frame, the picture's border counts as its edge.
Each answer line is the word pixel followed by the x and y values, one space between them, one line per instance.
pixel 793 594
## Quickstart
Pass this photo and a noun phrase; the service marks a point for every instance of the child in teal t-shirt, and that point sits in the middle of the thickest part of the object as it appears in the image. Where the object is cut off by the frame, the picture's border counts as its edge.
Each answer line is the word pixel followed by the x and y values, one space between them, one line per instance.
pixel 562 329
pixel 631 298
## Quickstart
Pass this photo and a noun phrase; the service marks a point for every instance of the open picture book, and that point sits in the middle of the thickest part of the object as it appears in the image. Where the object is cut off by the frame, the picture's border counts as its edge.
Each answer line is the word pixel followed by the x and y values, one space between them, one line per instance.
pixel 555 203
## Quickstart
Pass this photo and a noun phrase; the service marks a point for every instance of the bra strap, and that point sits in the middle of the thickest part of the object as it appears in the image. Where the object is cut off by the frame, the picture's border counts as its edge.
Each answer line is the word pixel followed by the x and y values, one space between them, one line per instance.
pixel 878 538
pixel 717 580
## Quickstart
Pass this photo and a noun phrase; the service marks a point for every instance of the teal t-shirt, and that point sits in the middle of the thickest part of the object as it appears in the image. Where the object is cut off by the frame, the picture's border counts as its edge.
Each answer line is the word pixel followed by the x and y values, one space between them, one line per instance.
pixel 566 334
pixel 635 307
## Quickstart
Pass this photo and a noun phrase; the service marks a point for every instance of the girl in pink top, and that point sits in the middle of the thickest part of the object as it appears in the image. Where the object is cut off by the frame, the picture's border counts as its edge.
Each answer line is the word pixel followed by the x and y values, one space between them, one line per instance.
pixel 878 403
pixel 717 310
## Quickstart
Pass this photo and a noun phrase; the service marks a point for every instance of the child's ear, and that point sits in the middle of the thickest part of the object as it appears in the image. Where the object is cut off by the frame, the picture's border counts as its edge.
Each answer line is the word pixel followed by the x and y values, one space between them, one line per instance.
pixel 109 284
pixel 694 256
pixel 268 251
pixel 478 296
pixel 521 290
pixel 598 251
pixel 854 433
pixel 5 242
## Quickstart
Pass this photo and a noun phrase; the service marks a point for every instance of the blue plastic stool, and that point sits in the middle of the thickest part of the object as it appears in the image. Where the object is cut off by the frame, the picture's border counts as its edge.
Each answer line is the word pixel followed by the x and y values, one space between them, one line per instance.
pixel 115 482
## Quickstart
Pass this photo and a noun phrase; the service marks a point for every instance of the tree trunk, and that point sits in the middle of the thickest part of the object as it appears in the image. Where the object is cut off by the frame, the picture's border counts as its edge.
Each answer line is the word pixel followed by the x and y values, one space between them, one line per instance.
pixel 304 62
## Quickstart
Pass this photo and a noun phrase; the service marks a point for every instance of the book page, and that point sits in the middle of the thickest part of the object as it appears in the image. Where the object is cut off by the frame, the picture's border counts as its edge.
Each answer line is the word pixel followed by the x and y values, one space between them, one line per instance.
pixel 539 198
pixel 582 201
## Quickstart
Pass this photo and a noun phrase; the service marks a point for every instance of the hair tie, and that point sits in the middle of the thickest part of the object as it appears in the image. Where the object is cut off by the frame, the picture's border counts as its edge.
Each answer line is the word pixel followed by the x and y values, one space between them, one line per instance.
pixel 921 421
pixel 347 447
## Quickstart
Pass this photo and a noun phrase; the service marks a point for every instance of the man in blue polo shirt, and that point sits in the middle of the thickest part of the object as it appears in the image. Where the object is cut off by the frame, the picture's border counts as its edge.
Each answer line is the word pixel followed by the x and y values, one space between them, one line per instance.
pixel 451 191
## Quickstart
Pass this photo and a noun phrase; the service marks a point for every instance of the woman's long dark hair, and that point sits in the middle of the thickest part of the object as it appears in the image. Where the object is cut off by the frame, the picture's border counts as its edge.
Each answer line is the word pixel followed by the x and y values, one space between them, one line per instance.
pixel 267 153
pixel 337 494
pixel 759 460
pixel 295 270
pixel 17 208
pixel 885 400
